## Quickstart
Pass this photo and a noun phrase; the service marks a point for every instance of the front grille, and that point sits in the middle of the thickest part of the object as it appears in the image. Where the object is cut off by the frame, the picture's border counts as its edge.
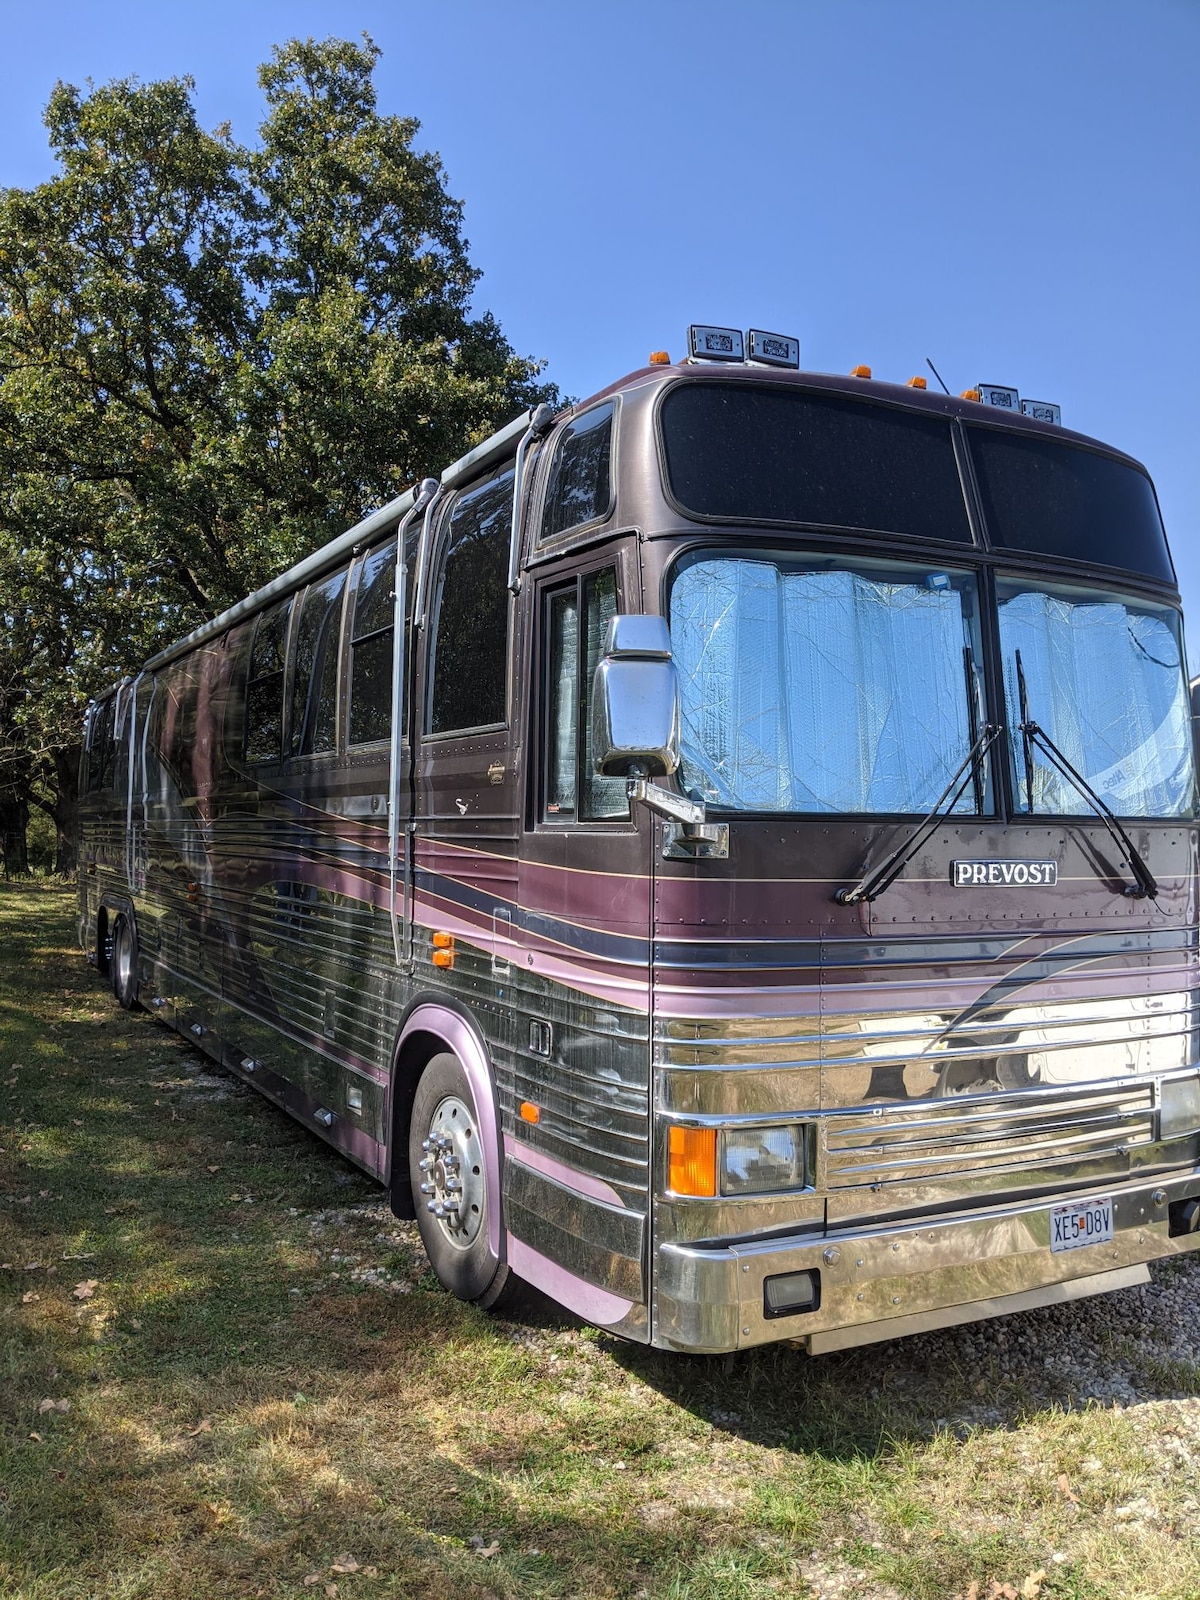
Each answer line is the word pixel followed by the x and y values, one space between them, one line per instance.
pixel 1037 1129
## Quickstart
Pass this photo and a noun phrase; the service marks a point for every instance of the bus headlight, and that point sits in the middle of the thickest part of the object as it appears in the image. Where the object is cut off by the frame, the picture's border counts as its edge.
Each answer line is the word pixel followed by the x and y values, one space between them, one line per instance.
pixel 761 1160
pixel 1178 1107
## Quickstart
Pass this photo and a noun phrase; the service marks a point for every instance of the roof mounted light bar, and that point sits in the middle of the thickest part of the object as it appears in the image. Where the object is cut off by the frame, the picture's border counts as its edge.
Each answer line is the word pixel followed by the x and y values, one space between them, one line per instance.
pixel 715 344
pixel 773 349
pixel 1042 411
pixel 726 344
pixel 999 394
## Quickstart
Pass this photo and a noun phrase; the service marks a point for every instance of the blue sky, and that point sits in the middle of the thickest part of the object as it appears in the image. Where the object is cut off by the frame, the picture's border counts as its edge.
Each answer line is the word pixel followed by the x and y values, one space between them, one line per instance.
pixel 1012 189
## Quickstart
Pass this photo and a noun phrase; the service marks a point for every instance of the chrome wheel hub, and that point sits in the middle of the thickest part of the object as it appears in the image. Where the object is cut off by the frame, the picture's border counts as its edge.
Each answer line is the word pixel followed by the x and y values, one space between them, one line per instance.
pixel 452 1172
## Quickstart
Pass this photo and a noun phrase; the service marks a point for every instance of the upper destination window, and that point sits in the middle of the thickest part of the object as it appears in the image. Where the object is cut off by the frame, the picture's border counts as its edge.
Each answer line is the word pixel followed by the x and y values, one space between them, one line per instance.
pixel 1047 498
pixel 742 453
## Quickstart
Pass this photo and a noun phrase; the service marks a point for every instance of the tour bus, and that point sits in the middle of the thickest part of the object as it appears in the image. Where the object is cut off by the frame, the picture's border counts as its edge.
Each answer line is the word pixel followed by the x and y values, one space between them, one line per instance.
pixel 723 854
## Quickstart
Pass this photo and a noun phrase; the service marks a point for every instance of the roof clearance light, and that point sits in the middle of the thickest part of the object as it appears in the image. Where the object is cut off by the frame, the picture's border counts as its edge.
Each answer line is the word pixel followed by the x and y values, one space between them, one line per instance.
pixel 1042 411
pixel 715 344
pixel 860 372
pixel 918 383
pixel 659 358
pixel 996 394
pixel 774 349
pixel 970 394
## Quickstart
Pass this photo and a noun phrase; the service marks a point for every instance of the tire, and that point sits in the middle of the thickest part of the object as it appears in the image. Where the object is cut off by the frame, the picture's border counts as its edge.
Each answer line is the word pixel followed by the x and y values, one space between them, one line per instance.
pixel 448 1162
pixel 123 964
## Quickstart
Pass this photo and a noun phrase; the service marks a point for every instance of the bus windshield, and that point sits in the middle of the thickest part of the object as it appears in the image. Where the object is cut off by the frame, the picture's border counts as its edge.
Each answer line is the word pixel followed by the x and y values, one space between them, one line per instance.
pixel 1104 678
pixel 815 684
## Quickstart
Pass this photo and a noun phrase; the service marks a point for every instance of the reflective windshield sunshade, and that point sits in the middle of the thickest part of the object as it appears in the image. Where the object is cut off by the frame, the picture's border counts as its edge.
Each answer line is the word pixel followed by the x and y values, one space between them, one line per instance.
pixel 811 685
pixel 1104 677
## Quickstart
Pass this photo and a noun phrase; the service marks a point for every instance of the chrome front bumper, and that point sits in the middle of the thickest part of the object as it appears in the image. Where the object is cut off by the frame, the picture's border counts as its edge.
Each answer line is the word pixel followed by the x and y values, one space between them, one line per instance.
pixel 910 1277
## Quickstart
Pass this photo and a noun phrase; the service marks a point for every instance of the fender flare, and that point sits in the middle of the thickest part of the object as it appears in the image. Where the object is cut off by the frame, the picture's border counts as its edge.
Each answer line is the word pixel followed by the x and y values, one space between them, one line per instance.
pixel 459 1036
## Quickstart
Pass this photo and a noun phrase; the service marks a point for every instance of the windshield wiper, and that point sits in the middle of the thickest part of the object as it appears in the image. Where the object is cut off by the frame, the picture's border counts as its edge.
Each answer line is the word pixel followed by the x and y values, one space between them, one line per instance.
pixel 872 884
pixel 1145 885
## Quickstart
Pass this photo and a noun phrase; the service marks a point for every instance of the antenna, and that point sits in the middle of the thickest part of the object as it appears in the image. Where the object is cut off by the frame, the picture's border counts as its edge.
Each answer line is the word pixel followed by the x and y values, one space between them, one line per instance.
pixel 936 373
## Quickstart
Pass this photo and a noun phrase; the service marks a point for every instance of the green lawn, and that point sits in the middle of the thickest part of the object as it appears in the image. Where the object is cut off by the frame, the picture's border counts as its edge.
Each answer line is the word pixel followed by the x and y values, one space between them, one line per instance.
pixel 259 1390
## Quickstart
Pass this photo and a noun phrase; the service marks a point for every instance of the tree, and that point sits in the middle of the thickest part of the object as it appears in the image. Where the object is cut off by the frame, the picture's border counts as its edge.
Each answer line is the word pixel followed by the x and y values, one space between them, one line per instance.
pixel 212 359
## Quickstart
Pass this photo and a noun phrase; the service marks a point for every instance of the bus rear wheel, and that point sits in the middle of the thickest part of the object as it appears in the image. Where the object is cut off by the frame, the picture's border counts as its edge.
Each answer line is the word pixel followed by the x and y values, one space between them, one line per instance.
pixel 448 1162
pixel 123 964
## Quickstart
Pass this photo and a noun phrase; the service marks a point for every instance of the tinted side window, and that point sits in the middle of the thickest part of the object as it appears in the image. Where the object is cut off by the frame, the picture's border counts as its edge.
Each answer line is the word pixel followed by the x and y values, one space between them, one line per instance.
pixel 371 634
pixel 580 485
pixel 576 622
pixel 1055 499
pixel 314 682
pixel 264 689
pixel 470 652
pixel 101 746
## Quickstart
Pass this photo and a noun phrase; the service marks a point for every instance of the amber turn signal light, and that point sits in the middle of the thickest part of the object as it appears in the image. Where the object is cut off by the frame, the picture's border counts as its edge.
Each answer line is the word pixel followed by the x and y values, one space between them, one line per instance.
pixel 529 1112
pixel 443 949
pixel 692 1160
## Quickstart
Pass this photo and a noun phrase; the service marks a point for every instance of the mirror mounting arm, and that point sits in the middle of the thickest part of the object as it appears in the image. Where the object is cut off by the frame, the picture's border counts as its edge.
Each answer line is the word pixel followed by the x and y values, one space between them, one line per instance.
pixel 689 836
pixel 676 807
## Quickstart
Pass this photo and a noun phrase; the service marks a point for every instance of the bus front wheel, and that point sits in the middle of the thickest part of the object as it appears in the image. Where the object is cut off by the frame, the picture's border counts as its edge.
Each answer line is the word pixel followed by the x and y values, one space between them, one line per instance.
pixel 449 1165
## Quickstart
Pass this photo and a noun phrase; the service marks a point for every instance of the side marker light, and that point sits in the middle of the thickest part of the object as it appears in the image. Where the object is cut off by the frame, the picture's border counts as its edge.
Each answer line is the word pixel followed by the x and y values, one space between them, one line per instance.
pixel 529 1112
pixel 443 949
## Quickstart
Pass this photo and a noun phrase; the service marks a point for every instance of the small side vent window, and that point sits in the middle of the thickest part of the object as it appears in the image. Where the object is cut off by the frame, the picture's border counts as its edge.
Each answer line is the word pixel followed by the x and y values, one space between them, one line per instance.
pixel 580 486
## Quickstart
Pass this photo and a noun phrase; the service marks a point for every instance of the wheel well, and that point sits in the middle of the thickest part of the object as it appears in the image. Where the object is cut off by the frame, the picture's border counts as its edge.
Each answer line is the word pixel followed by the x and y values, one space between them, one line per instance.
pixel 411 1060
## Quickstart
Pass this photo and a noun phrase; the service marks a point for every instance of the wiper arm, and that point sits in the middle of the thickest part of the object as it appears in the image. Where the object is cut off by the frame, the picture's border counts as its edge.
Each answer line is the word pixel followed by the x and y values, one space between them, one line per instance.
pixel 872 884
pixel 1145 885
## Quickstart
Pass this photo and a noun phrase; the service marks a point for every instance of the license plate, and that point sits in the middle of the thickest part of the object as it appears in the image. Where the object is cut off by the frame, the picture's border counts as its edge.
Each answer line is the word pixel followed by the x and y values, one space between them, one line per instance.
pixel 1080 1223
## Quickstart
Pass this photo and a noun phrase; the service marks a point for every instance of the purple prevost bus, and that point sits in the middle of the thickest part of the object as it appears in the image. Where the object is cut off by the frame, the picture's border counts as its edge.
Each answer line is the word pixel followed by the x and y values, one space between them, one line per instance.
pixel 724 855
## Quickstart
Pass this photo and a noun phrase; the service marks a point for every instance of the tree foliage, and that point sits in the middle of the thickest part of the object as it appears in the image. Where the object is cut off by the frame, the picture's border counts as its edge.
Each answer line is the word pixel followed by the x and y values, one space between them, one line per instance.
pixel 213 358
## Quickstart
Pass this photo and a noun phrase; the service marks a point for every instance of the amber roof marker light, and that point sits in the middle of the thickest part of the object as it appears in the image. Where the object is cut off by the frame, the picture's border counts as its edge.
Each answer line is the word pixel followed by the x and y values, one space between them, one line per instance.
pixel 659 358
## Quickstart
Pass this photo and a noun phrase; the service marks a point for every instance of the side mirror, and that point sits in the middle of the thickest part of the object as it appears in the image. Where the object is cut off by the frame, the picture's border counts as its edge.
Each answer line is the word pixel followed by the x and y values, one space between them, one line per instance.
pixel 635 700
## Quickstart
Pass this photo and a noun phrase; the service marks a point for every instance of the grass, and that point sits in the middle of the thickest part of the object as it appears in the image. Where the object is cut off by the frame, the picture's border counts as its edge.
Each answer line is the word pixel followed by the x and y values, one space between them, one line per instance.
pixel 263 1385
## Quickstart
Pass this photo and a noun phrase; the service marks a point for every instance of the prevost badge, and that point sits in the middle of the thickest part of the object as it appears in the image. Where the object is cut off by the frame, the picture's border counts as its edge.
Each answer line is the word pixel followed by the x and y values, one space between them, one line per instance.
pixel 1003 874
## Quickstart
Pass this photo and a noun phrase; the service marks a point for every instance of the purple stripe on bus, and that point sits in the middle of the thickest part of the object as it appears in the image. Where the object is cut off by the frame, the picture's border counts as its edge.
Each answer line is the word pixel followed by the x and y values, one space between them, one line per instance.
pixel 569 1177
pixel 585 1299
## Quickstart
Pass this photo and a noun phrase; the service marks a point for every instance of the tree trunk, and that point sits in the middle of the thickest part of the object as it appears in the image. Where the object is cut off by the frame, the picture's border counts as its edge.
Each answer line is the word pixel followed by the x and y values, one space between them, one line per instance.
pixel 14 820
pixel 66 809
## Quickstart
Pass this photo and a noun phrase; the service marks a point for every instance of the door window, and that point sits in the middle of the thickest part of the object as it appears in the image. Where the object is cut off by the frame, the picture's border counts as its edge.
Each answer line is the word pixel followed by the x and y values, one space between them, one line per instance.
pixel 576 622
